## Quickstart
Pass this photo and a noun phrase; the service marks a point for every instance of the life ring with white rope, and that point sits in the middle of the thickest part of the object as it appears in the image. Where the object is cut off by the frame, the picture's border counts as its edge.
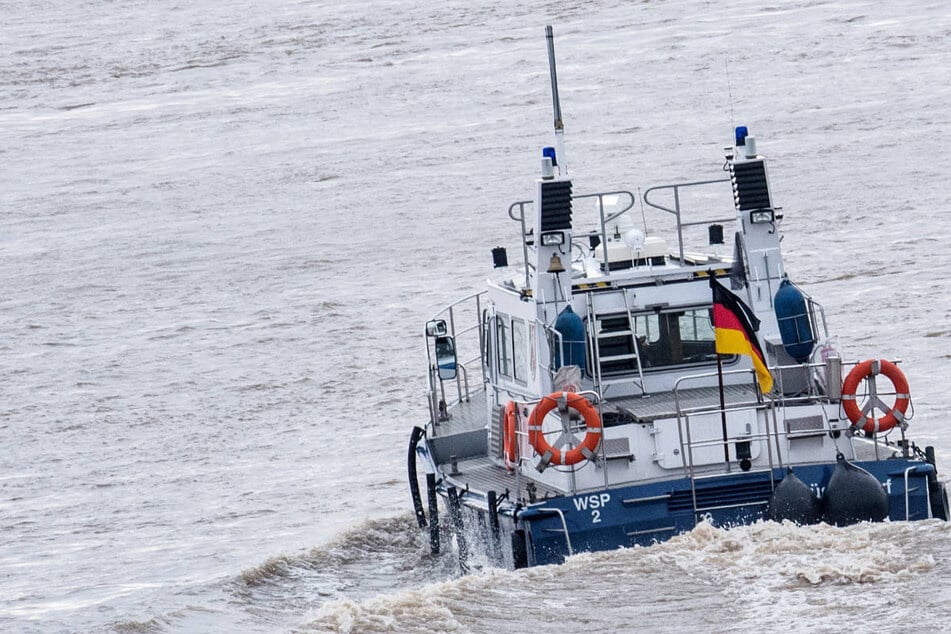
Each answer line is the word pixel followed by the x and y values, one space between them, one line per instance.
pixel 893 415
pixel 554 455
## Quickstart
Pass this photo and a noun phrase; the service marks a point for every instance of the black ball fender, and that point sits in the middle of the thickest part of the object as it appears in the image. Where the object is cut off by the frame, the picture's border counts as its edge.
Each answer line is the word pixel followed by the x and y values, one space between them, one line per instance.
pixel 853 495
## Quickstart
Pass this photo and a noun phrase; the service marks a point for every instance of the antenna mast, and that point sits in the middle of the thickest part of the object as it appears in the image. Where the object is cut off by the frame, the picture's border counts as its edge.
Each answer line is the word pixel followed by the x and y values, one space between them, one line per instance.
pixel 556 103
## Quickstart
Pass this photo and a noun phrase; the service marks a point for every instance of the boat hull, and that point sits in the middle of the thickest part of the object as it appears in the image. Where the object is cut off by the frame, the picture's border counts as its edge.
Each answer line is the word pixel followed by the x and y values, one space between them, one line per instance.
pixel 546 532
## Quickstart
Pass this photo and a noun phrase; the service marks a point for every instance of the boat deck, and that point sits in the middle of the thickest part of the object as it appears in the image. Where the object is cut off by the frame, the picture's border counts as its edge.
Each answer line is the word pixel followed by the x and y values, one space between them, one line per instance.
pixel 665 404
pixel 481 473
pixel 466 425
pixel 464 416
pixel 470 415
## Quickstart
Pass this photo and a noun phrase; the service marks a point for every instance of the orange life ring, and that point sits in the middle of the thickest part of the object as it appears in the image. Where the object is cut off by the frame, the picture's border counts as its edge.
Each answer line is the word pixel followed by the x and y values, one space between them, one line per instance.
pixel 895 414
pixel 553 455
pixel 508 435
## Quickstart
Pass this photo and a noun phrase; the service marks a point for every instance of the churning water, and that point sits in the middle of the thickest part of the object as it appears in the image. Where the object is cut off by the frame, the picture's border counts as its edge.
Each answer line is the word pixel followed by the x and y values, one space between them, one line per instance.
pixel 223 225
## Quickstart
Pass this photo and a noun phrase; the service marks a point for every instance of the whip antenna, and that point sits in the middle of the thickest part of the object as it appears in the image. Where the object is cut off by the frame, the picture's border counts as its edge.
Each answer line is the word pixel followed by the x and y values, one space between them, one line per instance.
pixel 729 87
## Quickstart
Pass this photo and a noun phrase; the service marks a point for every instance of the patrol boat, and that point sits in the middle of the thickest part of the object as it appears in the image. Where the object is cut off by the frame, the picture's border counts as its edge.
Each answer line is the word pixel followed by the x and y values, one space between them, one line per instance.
pixel 648 367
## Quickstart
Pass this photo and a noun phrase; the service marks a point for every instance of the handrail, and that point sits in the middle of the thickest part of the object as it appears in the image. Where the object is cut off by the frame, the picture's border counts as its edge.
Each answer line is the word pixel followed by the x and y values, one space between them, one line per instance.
pixel 561 515
pixel 683 423
pixel 770 435
pixel 603 220
pixel 517 212
pixel 458 302
pixel 521 219
pixel 676 187
pixel 676 211
pixel 907 511
pixel 772 402
pixel 600 196
pixel 436 387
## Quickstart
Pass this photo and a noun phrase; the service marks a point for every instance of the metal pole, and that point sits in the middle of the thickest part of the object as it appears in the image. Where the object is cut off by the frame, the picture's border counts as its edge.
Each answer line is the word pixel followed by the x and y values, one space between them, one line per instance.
pixel 726 445
pixel 495 544
pixel 556 105
pixel 455 514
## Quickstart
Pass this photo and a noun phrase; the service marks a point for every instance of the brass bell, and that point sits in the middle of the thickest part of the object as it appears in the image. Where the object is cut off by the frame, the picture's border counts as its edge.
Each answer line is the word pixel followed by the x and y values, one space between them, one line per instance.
pixel 555 265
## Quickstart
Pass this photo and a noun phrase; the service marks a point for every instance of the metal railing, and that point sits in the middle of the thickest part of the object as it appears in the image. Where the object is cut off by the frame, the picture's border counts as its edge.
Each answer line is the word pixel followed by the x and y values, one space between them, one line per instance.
pixel 527 237
pixel 772 404
pixel 677 211
pixel 688 445
pixel 470 367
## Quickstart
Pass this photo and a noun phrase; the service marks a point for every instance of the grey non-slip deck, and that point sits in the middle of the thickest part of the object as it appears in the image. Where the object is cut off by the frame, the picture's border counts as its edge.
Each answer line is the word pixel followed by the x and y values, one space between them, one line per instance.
pixel 480 474
pixel 664 404
pixel 464 416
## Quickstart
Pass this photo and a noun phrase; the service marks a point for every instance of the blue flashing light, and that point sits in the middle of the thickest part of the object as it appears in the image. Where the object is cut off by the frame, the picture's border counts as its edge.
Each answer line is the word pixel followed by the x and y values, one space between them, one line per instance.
pixel 741 134
pixel 550 153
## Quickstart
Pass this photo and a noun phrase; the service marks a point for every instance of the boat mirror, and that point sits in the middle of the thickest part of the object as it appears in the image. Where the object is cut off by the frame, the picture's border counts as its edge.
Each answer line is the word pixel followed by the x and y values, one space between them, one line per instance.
pixel 436 328
pixel 446 357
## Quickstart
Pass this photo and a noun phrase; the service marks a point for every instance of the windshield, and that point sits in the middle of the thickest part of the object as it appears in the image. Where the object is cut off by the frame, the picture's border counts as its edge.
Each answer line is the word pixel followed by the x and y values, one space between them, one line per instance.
pixel 664 338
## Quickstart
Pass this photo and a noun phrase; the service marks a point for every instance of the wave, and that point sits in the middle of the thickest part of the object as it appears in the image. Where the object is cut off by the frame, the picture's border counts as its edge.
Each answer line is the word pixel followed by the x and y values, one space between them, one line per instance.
pixel 371 560
pixel 396 539
pixel 763 576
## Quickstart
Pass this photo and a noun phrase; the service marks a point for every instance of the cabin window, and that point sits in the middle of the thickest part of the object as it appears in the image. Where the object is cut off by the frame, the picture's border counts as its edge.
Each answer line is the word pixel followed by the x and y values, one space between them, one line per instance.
pixel 503 335
pixel 519 350
pixel 511 338
pixel 664 339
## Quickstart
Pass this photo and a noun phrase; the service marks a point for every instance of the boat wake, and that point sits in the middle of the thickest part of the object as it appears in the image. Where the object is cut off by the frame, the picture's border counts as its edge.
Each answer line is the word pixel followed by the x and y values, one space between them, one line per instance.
pixel 755 576
pixel 374 557
pixel 393 539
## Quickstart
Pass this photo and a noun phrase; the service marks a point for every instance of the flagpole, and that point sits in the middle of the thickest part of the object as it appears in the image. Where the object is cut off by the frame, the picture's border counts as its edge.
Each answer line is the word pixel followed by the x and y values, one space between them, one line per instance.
pixel 726 445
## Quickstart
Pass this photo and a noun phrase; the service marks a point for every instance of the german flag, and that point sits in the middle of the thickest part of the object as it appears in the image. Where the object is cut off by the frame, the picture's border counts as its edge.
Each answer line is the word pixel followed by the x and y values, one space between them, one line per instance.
pixel 735 326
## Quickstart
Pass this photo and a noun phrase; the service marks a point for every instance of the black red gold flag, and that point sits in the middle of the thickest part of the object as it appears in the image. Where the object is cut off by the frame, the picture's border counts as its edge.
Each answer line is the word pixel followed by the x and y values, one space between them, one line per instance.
pixel 735 326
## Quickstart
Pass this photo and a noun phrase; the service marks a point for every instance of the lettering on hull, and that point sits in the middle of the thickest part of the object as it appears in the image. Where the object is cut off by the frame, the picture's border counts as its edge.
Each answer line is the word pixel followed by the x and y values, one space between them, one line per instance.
pixel 593 503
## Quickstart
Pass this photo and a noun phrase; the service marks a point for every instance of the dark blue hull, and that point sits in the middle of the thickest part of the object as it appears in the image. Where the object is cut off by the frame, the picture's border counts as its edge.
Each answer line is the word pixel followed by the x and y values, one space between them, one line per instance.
pixel 549 531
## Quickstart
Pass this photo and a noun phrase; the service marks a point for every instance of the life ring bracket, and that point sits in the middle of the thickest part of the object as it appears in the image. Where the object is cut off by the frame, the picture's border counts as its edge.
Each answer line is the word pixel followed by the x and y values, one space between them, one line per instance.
pixel 862 417
pixel 551 454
